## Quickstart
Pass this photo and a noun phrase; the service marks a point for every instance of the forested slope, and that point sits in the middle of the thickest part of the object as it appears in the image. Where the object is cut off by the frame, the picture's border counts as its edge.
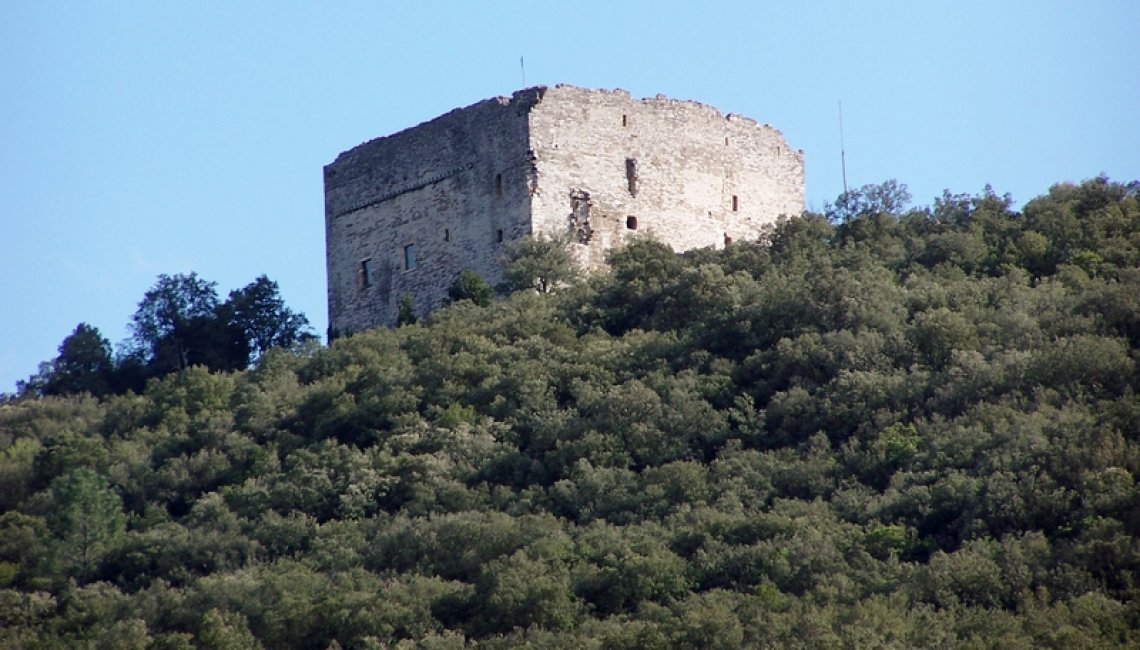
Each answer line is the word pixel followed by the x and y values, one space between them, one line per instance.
pixel 899 430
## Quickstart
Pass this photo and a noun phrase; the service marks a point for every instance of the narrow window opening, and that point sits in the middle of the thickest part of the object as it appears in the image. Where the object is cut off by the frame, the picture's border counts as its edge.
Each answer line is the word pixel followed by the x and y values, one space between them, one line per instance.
pixel 727 240
pixel 409 257
pixel 735 203
pixel 499 235
pixel 631 175
pixel 447 234
pixel 624 120
pixel 365 273
pixel 726 141
pixel 499 185
pixel 631 222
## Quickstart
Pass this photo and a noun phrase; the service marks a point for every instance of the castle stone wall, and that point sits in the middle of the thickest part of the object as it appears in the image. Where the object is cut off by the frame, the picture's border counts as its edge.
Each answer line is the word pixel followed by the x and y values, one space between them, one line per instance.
pixel 447 188
pixel 597 164
pixel 687 160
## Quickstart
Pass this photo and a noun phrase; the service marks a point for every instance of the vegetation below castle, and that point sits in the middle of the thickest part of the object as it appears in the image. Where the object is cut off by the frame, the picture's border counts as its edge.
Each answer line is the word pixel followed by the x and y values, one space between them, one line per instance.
pixel 179 323
pixel 903 430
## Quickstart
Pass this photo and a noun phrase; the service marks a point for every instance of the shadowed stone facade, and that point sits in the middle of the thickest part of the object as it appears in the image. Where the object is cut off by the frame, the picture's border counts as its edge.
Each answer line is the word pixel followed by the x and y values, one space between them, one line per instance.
pixel 407 212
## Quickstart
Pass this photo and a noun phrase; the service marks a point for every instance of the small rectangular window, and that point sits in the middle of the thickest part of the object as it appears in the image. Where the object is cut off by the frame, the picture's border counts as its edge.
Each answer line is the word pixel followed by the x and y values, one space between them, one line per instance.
pixel 499 185
pixel 625 120
pixel 499 235
pixel 727 240
pixel 409 257
pixel 447 234
pixel 631 175
pixel 365 273
pixel 735 203
pixel 631 222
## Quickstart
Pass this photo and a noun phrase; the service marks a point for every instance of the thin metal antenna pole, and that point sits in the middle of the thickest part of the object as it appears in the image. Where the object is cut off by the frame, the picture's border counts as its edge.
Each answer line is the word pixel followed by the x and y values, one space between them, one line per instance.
pixel 522 68
pixel 842 149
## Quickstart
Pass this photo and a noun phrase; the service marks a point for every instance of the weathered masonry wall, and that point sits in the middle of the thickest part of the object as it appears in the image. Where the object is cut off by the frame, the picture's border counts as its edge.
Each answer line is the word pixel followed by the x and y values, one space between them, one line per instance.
pixel 452 189
pixel 404 214
pixel 678 170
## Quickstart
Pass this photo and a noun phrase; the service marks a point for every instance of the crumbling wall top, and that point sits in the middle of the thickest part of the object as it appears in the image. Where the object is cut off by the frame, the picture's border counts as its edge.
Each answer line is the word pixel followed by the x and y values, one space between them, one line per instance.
pixel 662 100
pixel 524 99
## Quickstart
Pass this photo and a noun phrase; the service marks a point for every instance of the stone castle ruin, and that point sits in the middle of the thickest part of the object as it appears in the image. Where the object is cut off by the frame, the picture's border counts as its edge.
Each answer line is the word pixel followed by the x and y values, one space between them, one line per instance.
pixel 406 213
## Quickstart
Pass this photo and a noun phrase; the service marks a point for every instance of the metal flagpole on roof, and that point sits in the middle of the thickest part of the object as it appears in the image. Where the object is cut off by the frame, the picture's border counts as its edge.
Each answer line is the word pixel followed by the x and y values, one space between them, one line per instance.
pixel 522 67
pixel 842 152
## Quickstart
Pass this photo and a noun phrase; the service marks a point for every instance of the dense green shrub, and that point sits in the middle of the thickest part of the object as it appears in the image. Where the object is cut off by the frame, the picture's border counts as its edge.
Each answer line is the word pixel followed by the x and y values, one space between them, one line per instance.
pixel 908 430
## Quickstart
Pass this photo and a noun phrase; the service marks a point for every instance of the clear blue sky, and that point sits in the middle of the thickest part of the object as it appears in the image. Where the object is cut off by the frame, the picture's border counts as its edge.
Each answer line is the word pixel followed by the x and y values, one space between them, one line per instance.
pixel 141 138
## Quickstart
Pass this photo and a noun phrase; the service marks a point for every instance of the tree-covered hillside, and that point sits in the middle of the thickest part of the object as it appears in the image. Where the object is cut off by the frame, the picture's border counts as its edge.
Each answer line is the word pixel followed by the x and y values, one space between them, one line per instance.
pixel 915 429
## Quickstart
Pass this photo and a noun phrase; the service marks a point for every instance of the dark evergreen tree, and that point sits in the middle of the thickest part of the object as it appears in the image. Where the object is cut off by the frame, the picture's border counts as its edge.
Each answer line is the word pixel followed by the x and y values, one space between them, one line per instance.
pixel 407 315
pixel 469 286
pixel 540 264
pixel 260 313
pixel 84 364
pixel 87 520
pixel 175 324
